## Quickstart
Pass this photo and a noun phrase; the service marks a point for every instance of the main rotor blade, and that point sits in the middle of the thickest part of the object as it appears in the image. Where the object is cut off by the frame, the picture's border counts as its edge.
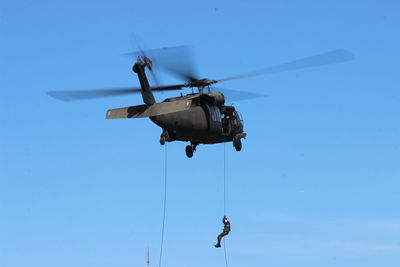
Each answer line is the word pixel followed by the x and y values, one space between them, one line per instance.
pixel 177 60
pixel 236 95
pixel 68 96
pixel 332 57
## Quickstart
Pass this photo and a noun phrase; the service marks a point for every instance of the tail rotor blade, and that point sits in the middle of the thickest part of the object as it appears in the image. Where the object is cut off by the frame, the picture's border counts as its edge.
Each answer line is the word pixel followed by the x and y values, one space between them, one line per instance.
pixel 177 60
pixel 142 53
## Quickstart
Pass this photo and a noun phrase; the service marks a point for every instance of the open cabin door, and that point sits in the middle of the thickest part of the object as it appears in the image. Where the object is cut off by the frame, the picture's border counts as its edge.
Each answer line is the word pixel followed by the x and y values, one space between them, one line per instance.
pixel 215 123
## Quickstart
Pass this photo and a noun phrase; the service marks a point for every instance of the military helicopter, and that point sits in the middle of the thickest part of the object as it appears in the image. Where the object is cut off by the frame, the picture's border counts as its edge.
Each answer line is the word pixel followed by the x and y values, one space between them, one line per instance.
pixel 199 117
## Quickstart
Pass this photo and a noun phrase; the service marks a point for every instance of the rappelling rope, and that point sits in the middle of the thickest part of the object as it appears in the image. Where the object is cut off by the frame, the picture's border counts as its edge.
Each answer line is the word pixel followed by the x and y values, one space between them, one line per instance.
pixel 165 205
pixel 226 258
pixel 224 181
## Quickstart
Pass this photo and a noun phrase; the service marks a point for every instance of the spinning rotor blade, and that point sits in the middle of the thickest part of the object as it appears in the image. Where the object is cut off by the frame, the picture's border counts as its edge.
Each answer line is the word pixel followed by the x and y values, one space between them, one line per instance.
pixel 140 44
pixel 176 60
pixel 332 57
pixel 90 94
pixel 235 95
pixel 68 96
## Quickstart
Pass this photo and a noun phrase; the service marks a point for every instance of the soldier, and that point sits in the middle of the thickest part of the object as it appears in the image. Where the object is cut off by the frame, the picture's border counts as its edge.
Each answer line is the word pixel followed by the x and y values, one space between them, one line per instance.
pixel 227 229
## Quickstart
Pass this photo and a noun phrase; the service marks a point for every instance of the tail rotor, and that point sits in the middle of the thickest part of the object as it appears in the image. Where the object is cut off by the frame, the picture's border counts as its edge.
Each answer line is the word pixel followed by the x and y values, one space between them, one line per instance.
pixel 143 56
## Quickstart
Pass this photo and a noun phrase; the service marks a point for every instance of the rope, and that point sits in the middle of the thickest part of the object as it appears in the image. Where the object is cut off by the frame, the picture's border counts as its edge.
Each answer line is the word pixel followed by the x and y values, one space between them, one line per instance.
pixel 224 181
pixel 165 205
pixel 226 258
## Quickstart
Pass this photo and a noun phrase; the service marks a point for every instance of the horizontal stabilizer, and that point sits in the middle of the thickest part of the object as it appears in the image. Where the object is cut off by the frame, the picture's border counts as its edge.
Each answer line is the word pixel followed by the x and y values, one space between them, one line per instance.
pixel 143 111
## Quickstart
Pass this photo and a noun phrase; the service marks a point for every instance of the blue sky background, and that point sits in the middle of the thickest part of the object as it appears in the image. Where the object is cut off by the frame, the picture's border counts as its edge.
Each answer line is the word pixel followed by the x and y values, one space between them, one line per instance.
pixel 316 184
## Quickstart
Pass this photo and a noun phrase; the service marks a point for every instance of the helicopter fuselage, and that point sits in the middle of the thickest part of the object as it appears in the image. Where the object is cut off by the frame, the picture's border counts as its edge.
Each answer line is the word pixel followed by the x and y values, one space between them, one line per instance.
pixel 207 121
pixel 200 118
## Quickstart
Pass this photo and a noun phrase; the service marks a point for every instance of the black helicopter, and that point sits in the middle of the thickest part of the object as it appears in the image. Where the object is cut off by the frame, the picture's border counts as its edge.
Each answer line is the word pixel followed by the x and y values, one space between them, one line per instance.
pixel 198 118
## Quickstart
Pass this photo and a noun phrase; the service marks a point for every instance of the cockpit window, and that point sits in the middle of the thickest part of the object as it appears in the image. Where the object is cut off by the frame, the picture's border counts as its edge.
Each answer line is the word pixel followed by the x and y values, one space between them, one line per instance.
pixel 239 115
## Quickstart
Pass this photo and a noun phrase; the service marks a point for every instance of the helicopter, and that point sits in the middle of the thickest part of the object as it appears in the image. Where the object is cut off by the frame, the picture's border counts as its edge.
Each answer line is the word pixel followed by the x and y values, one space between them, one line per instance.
pixel 199 117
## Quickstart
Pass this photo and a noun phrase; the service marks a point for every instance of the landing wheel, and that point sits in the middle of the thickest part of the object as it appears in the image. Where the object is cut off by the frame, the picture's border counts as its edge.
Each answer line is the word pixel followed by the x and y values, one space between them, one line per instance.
pixel 189 151
pixel 162 140
pixel 237 144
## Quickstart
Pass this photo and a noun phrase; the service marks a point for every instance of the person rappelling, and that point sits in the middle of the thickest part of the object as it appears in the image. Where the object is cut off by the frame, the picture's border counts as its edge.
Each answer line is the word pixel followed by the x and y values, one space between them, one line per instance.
pixel 227 229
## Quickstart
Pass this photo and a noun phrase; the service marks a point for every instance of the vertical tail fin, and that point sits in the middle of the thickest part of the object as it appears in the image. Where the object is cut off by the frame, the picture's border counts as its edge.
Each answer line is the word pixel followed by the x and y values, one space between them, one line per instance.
pixel 139 68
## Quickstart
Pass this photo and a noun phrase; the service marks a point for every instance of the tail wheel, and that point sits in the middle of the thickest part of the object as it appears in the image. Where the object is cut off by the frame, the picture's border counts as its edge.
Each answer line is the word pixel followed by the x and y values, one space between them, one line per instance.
pixel 237 144
pixel 189 151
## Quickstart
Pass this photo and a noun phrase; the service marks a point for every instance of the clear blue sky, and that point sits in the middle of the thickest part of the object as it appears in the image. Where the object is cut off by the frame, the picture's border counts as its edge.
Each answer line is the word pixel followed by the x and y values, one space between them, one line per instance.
pixel 316 184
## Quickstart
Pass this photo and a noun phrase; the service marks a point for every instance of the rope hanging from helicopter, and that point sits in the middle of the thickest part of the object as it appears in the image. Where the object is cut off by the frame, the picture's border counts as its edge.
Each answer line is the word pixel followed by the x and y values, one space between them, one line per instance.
pixel 164 204
pixel 226 258
pixel 224 181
